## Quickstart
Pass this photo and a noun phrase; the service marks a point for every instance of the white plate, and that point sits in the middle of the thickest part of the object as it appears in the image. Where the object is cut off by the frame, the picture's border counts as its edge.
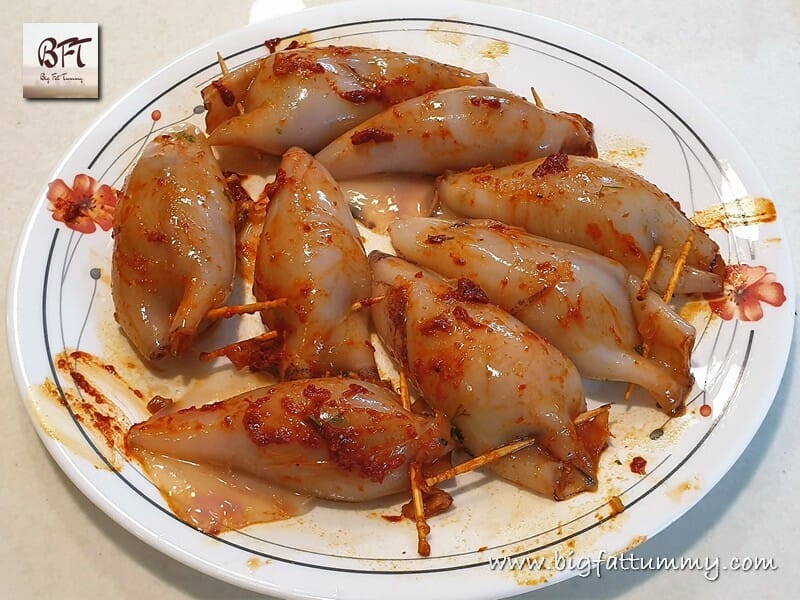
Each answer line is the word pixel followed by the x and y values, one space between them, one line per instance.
pixel 60 299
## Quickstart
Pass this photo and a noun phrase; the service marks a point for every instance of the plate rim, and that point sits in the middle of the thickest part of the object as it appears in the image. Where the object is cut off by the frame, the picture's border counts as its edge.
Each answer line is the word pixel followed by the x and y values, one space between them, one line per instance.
pixel 418 10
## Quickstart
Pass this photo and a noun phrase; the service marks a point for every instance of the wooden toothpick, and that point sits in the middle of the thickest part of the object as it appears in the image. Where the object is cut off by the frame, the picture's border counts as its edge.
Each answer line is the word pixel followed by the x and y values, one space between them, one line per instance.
pixel 479 461
pixel 668 293
pixel 208 356
pixel 225 312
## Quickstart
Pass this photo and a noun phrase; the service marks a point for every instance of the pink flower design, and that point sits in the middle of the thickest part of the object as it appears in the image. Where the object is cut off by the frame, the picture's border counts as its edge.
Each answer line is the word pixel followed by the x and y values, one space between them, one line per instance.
pixel 84 204
pixel 745 288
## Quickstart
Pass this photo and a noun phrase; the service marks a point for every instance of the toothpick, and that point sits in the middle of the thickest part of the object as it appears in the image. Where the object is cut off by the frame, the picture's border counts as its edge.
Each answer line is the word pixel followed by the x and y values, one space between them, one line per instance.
pixel 479 461
pixel 644 287
pixel 365 302
pixel 668 293
pixel 224 312
pixel 207 356
pixel 536 99
pixel 222 66
pixel 648 274
pixel 423 529
pixel 415 475
pixel 591 414
pixel 679 264
pixel 404 390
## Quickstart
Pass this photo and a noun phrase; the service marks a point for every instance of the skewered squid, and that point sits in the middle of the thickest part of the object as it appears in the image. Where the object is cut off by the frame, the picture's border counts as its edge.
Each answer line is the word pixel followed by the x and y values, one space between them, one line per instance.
pixel 174 243
pixel 308 96
pixel 456 129
pixel 310 252
pixel 494 378
pixel 595 205
pixel 336 438
pixel 583 303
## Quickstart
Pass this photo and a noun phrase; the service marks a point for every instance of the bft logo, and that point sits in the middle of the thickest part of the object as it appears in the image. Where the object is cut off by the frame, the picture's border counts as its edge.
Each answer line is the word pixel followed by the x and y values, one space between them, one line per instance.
pixel 49 58
pixel 60 60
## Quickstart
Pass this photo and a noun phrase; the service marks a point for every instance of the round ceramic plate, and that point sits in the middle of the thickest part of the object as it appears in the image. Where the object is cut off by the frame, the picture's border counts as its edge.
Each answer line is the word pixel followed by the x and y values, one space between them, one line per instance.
pixel 61 322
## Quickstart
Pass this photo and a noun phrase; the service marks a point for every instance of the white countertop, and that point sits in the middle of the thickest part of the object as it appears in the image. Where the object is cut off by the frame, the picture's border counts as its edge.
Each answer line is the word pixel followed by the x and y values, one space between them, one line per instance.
pixel 739 57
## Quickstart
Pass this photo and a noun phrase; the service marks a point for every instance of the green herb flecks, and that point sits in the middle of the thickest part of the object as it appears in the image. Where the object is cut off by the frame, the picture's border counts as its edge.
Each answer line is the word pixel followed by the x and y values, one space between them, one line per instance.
pixel 187 137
